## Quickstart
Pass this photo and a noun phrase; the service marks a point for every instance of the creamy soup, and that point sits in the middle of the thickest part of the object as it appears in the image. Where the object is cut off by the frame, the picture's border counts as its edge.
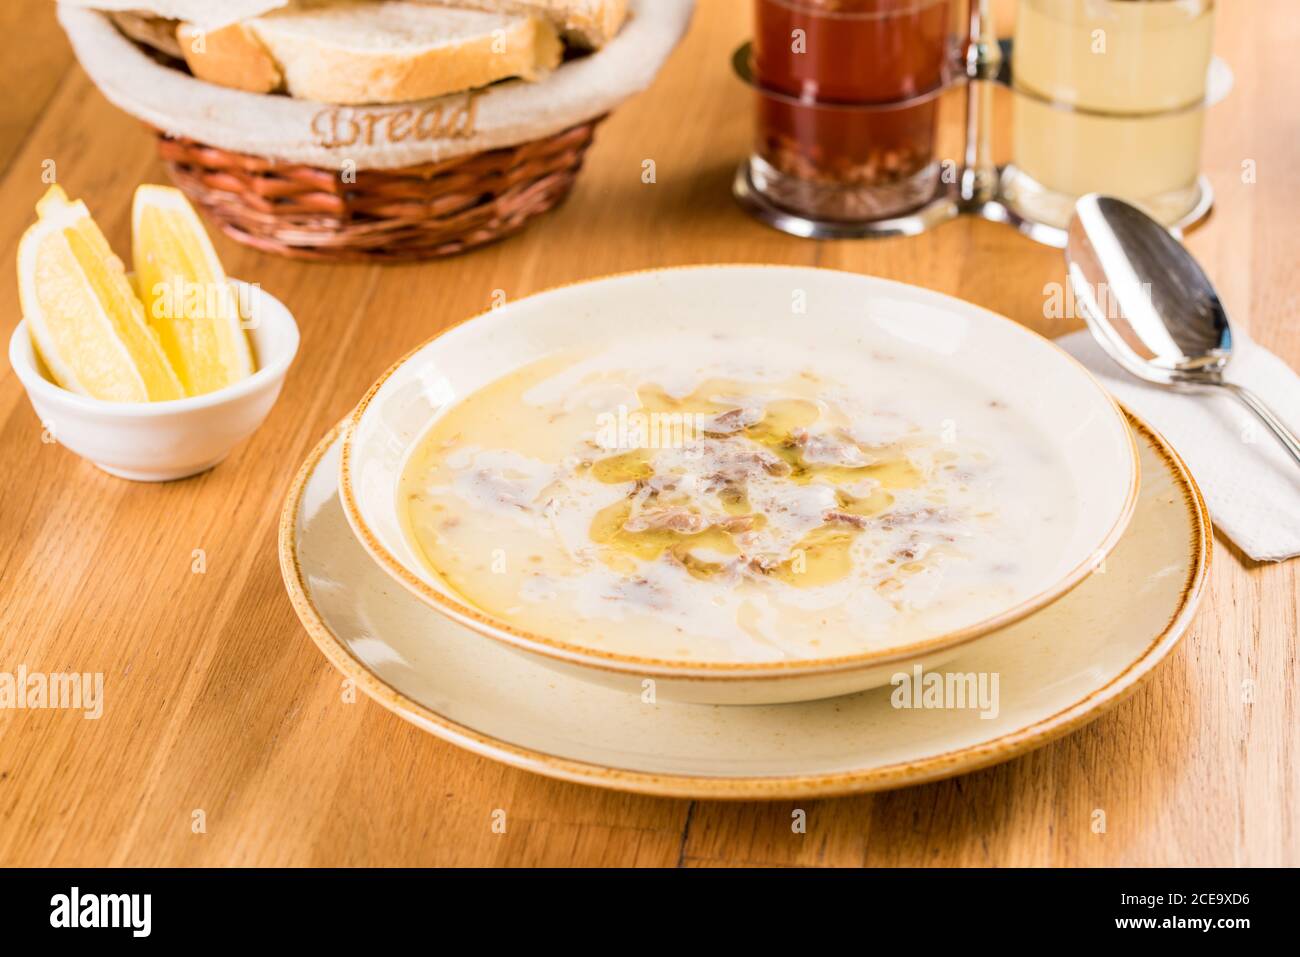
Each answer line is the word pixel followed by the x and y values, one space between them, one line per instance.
pixel 712 499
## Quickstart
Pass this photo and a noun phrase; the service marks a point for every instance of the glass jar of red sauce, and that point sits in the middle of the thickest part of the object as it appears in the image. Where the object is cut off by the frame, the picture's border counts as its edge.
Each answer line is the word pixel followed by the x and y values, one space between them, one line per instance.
pixel 846 94
pixel 842 162
pixel 852 51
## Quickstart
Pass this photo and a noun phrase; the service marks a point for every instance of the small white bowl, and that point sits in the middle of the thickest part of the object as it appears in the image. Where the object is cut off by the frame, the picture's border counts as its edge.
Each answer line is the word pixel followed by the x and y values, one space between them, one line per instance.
pixel 160 441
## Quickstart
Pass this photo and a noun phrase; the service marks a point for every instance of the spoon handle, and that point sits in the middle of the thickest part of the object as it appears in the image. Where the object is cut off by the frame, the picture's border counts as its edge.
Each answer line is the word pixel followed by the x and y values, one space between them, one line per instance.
pixel 1265 414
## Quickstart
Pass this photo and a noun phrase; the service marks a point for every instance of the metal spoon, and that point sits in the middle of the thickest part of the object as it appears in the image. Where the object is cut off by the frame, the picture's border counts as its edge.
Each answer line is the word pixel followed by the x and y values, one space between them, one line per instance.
pixel 1151 307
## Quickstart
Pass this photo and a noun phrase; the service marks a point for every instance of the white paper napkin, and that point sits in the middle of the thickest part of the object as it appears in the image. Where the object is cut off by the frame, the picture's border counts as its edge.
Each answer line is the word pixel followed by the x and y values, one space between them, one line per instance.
pixel 1249 481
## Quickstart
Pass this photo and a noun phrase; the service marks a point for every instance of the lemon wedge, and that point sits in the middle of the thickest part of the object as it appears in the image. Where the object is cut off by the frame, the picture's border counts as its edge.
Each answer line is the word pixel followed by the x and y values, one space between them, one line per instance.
pixel 188 301
pixel 55 198
pixel 86 323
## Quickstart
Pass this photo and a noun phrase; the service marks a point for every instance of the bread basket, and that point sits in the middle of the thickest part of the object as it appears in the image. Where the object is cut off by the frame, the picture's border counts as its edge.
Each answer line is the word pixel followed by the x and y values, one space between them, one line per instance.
pixel 395 182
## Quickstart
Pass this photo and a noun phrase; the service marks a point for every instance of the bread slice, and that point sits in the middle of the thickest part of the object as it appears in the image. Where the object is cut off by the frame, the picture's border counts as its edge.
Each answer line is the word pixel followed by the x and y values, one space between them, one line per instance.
pixel 231 56
pixel 355 51
pixel 156 32
pixel 585 23
pixel 207 14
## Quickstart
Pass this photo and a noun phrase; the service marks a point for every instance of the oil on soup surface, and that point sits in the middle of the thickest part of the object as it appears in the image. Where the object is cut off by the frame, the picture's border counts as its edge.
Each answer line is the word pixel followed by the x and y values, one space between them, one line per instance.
pixel 705 498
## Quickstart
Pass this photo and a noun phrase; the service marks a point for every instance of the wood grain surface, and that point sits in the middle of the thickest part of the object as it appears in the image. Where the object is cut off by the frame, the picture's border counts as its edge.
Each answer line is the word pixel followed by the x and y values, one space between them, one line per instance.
pixel 217 701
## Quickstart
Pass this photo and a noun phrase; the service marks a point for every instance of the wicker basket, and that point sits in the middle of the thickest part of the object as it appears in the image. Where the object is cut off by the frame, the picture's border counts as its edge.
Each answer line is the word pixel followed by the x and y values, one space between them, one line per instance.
pixel 375 182
pixel 417 212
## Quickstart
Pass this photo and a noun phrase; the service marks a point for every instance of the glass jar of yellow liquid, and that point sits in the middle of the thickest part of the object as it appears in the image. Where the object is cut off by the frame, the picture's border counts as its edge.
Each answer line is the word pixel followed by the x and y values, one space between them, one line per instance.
pixel 1110 98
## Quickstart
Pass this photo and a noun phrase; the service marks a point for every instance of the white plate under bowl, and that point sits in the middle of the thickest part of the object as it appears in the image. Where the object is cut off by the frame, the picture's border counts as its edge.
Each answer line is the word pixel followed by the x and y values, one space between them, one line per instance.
pixel 1056 669
pixel 976 353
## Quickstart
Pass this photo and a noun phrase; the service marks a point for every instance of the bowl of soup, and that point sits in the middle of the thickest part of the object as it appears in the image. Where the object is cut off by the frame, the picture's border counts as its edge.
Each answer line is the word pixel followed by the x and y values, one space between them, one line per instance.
pixel 738 484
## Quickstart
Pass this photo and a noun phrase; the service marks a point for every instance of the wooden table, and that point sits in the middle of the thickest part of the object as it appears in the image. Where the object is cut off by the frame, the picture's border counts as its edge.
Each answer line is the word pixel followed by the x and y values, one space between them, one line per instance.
pixel 216 700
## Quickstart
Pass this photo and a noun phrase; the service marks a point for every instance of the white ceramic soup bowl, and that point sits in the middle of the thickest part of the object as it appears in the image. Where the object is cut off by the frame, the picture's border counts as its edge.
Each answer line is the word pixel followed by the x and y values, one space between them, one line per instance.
pixel 160 441
pixel 1052 392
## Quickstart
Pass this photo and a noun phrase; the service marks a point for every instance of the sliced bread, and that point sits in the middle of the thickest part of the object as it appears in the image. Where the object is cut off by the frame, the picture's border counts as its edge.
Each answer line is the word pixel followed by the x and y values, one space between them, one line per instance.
pixel 203 13
pixel 585 23
pixel 156 32
pixel 353 51
pixel 232 56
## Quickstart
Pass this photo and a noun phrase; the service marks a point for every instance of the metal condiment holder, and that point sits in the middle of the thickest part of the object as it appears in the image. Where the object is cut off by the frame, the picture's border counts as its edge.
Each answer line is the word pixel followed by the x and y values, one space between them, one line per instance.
pixel 977 189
